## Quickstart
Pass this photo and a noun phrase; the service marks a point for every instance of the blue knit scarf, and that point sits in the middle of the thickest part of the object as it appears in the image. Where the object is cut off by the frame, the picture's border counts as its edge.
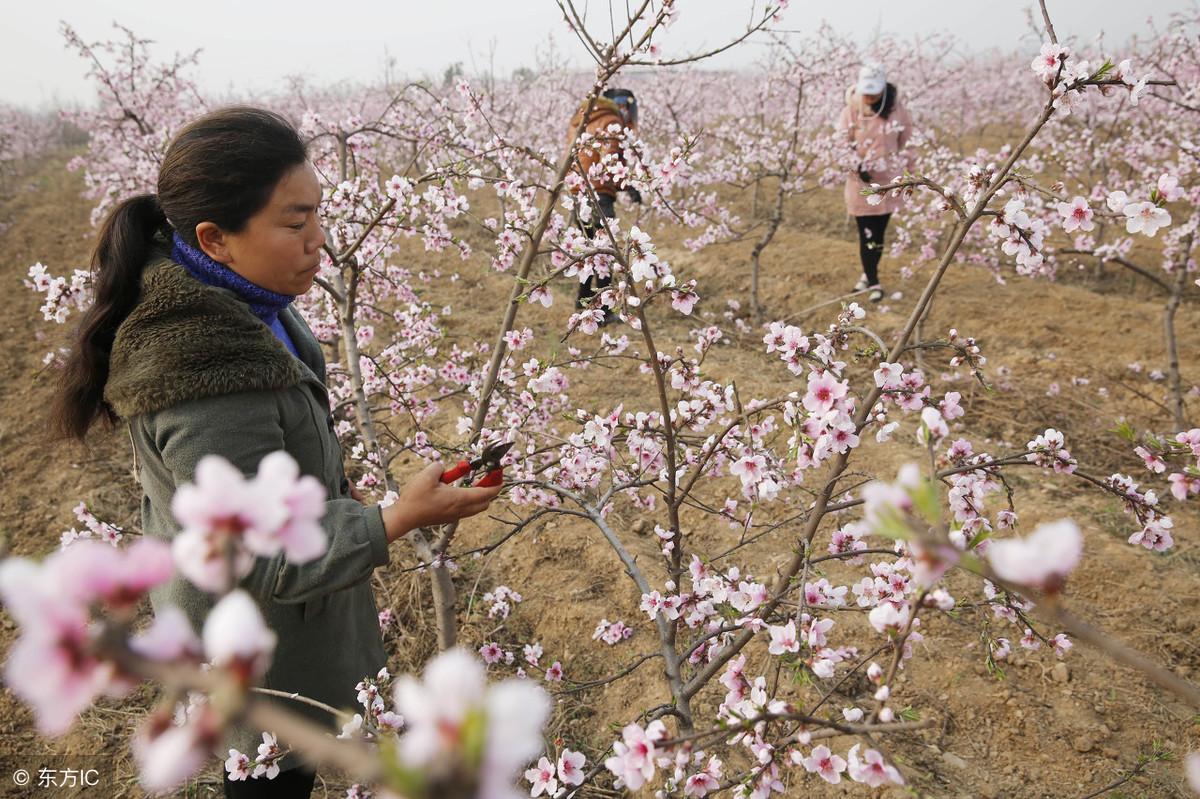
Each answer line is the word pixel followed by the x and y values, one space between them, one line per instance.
pixel 264 304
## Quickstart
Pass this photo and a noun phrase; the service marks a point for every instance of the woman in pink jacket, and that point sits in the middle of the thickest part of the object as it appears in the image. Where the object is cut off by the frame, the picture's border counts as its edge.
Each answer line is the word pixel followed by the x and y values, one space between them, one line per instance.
pixel 878 126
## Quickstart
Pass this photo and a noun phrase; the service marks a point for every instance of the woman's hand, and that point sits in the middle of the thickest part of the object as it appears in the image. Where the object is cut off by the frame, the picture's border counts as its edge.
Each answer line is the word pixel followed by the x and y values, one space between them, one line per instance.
pixel 426 501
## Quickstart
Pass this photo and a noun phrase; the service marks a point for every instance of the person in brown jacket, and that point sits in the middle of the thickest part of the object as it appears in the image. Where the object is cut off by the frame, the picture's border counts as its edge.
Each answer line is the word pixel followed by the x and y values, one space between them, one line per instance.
pixel 878 127
pixel 614 107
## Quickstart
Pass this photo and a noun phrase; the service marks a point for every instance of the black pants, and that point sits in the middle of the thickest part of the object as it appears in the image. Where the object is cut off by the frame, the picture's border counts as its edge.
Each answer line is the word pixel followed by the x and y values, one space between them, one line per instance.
pixel 870 244
pixel 294 783
pixel 594 285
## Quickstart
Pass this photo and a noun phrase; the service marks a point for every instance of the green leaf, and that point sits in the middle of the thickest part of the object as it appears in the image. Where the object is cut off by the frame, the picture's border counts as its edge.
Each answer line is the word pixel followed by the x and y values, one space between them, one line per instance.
pixel 1105 68
pixel 925 498
pixel 407 782
pixel 1125 431
pixel 891 524
pixel 982 535
pixel 474 736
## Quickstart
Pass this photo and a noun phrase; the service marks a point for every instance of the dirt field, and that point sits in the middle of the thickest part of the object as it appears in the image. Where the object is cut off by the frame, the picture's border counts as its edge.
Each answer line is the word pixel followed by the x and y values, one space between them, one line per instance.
pixel 1036 731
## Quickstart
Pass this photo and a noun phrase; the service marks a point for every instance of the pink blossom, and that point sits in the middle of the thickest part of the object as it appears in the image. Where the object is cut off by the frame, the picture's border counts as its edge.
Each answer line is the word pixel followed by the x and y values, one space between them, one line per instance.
pixel 1191 438
pixel 168 753
pixel 1145 218
pixel 1155 534
pixel 276 510
pixel 888 375
pixel 888 617
pixel 437 706
pixel 783 639
pixel 236 637
pixel 1076 215
pixel 654 603
pixel 515 712
pixel 933 427
pixel 453 693
pixel 884 499
pixel 611 633
pixel 1191 767
pixel 703 782
pixel 872 770
pixel 1152 461
pixel 300 536
pixel 542 778
pixel 170 637
pixel 267 762
pixel 633 759
pixel 949 406
pixel 750 469
pixel 1169 188
pixel 570 767
pixel 824 392
pixel 1183 485
pixel 1048 62
pixel 1041 560
pixel 237 766
pixel 51 666
pixel 684 301
pixel 826 764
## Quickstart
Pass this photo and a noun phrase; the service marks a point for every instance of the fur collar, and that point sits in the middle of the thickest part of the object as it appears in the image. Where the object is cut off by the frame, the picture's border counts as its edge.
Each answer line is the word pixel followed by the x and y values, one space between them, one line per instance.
pixel 185 341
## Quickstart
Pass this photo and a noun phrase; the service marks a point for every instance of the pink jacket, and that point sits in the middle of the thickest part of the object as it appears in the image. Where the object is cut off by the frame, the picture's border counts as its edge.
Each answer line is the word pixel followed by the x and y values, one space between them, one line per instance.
pixel 877 143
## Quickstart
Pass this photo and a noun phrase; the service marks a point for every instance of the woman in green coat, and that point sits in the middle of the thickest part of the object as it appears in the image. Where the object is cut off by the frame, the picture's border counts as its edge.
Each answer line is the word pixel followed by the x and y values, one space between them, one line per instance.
pixel 193 342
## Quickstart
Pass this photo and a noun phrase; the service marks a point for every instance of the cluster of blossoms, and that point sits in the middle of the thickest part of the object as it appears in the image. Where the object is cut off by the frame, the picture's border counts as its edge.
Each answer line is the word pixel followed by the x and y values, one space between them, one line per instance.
pixel 501 599
pixel 1179 460
pixel 554 778
pixel 52 666
pixel 822 422
pixel 611 632
pixel 643 751
pixel 1022 236
pixel 228 519
pixel 375 719
pixel 265 764
pixel 68 604
pixel 63 294
pixel 531 655
pixel 1143 505
pixel 452 704
pixel 1068 76
pixel 1185 483
pixel 1146 216
pixel 65 607
pixel 1048 450
pixel 519 656
pixel 92 528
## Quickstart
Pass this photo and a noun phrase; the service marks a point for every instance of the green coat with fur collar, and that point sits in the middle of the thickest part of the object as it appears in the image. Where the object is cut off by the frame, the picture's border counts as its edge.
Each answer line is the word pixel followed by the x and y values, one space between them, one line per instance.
pixel 195 373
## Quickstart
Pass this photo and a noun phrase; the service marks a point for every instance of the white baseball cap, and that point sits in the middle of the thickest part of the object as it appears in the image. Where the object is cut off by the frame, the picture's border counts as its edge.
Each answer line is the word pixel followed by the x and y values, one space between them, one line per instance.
pixel 872 78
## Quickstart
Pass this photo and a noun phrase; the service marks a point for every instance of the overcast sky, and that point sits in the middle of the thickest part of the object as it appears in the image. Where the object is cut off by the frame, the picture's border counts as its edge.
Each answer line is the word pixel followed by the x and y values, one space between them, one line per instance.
pixel 253 44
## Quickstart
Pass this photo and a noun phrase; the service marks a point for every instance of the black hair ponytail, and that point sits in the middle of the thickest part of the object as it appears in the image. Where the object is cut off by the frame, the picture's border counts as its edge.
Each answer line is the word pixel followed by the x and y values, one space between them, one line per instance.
pixel 123 246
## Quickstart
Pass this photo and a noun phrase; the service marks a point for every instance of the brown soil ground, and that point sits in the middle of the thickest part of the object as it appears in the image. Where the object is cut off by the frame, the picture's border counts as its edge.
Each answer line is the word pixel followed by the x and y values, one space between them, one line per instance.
pixel 1020 734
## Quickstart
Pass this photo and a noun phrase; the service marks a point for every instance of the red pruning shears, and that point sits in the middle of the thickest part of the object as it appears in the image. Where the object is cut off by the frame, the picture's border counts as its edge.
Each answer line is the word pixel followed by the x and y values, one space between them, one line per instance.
pixel 488 462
